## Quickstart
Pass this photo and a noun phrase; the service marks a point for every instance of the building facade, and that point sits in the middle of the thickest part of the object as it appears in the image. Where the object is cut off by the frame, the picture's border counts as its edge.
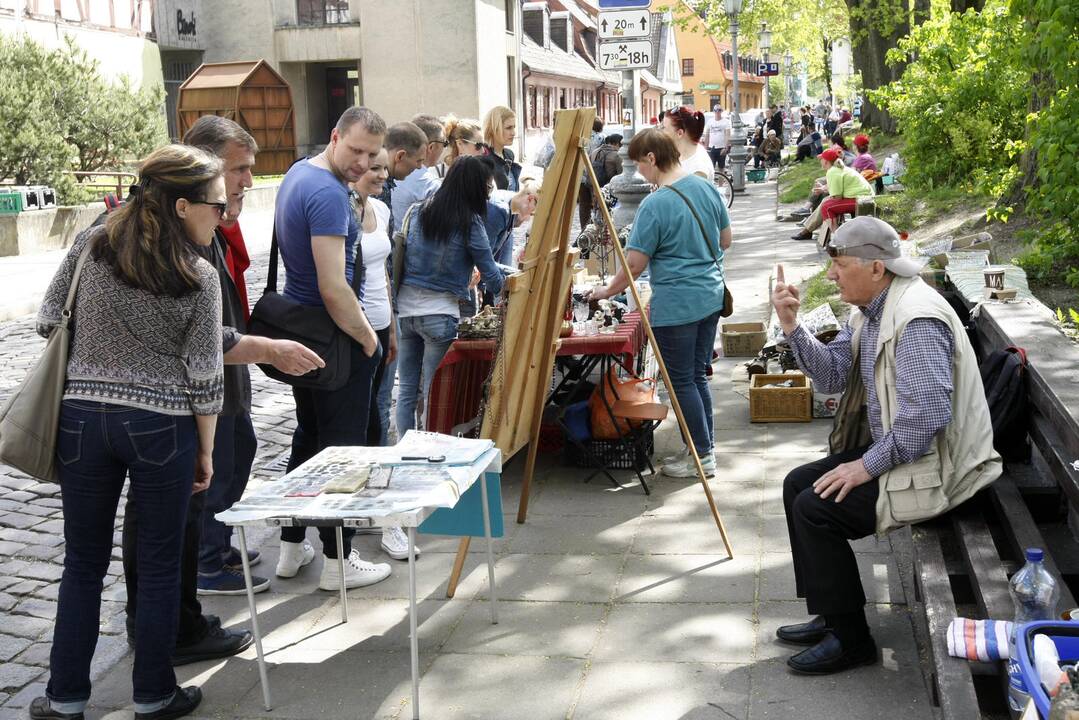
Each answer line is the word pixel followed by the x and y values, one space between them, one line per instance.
pixel 708 69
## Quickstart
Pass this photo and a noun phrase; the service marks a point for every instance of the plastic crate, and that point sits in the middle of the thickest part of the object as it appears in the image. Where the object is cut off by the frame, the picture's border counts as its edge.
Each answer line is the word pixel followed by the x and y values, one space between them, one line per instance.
pixel 614 454
pixel 742 339
pixel 756 175
pixel 1065 635
pixel 780 404
pixel 10 203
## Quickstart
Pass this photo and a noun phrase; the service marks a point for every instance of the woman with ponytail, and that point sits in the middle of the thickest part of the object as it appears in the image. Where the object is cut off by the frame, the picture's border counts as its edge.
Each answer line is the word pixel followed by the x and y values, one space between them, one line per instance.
pixel 463 138
pixel 144 387
pixel 685 127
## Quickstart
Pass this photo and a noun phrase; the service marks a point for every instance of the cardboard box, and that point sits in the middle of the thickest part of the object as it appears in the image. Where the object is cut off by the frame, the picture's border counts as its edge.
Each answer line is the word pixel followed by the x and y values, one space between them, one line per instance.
pixel 742 339
pixel 780 404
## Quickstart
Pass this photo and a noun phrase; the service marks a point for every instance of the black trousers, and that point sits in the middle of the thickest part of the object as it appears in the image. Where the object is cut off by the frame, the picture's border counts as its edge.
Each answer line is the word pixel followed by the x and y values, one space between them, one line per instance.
pixel 192 625
pixel 825 570
pixel 374 422
pixel 325 418
pixel 584 205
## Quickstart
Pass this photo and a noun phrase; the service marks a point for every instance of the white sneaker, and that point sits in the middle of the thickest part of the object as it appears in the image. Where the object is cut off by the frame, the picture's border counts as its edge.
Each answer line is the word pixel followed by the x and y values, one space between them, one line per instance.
pixel 688 469
pixel 358 572
pixel 395 543
pixel 294 556
pixel 676 458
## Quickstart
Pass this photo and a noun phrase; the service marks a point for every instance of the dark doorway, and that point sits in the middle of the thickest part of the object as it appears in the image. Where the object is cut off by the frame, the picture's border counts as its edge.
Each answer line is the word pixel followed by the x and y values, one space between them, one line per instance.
pixel 342 92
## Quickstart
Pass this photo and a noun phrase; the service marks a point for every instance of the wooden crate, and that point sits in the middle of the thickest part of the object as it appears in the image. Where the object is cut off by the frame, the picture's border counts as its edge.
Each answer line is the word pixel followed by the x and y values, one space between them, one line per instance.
pixel 742 339
pixel 780 404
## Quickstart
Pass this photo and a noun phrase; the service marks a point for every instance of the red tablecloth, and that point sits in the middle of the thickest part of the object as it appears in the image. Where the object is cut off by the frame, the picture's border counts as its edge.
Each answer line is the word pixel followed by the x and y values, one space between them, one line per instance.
pixel 458 385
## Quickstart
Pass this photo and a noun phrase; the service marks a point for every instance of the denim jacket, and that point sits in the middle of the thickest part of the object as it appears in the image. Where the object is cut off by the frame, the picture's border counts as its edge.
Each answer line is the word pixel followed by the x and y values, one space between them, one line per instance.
pixel 446 266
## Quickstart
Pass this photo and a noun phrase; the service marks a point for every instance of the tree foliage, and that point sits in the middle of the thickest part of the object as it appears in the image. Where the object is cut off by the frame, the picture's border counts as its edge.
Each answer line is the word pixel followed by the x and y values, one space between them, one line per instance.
pixel 961 99
pixel 59 114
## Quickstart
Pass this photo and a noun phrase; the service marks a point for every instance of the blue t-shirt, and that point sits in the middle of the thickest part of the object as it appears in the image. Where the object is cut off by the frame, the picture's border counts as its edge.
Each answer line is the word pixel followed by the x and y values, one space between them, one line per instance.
pixel 310 202
pixel 687 284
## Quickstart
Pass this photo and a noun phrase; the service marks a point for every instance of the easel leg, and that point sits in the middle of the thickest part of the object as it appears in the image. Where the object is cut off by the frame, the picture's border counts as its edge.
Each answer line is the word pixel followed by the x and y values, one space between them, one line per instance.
pixel 341 566
pixel 263 679
pixel 458 566
pixel 659 359
pixel 490 551
pixel 413 637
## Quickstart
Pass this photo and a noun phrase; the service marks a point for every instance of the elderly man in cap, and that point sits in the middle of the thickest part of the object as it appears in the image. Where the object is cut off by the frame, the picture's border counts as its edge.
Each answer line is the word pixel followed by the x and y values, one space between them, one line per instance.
pixel 912 436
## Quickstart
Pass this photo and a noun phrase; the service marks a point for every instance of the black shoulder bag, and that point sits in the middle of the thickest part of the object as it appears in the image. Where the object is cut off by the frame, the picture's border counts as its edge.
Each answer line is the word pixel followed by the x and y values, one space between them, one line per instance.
pixel 281 318
pixel 728 299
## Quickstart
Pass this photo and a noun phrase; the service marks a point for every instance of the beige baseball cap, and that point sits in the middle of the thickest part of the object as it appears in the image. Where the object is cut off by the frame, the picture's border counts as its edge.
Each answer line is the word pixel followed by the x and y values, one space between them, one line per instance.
pixel 871 238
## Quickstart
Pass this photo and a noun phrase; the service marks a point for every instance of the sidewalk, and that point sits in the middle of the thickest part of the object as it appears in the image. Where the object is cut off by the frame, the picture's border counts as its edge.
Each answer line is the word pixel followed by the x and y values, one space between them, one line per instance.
pixel 613 604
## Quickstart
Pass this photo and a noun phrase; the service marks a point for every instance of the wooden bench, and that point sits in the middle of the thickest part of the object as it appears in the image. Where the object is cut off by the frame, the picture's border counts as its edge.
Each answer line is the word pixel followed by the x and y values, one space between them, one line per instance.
pixel 963 560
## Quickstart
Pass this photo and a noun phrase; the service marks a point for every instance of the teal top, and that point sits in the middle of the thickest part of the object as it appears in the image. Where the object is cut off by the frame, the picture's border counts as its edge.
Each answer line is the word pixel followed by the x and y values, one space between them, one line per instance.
pixel 687 282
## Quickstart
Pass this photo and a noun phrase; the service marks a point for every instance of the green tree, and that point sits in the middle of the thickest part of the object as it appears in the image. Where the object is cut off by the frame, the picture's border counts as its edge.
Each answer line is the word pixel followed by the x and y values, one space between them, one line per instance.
pixel 61 115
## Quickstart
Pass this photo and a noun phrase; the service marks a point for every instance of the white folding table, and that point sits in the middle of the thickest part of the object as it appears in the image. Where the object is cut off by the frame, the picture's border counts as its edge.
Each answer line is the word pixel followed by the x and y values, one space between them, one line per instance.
pixel 406 504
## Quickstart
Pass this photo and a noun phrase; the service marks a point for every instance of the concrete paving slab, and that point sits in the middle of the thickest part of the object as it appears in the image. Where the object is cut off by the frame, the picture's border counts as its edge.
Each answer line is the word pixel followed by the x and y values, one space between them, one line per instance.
pixel 551 534
pixel 598 498
pixel 811 437
pixel 567 630
pixel 743 498
pixel 696 535
pixel 693 632
pixel 653 690
pixel 880 578
pixel 738 467
pixel 550 578
pixel 689 579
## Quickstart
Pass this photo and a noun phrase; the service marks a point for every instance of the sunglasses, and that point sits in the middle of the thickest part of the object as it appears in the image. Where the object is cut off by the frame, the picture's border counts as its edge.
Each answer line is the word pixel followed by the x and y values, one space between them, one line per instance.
pixel 481 146
pixel 220 206
pixel 443 143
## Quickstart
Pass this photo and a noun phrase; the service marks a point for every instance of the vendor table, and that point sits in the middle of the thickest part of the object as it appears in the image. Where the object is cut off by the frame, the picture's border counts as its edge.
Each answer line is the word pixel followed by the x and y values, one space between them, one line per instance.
pixel 457 389
pixel 430 485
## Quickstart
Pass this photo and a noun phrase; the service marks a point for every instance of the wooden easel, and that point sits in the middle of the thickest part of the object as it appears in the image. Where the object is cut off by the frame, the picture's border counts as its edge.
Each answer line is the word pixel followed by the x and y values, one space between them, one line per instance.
pixel 524 363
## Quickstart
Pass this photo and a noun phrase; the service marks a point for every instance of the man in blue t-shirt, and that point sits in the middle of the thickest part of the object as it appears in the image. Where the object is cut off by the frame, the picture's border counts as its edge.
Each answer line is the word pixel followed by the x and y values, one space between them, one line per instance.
pixel 316 233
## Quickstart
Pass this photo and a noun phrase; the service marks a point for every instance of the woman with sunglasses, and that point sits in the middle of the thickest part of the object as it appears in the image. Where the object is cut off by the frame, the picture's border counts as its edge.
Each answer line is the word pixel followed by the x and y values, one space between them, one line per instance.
pixel 686 127
pixel 463 138
pixel 446 240
pixel 499 132
pixel 144 387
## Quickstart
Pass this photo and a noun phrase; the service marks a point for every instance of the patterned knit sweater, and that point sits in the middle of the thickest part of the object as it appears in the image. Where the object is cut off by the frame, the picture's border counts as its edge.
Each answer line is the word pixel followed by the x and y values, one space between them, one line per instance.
pixel 132 348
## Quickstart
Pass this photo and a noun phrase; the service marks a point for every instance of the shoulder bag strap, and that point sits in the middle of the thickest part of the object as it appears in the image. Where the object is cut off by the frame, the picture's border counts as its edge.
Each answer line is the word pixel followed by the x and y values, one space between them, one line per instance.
pixel 69 302
pixel 715 256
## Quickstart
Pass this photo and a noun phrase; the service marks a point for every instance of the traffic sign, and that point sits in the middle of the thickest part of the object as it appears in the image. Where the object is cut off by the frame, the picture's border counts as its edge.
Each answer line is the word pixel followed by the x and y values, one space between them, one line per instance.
pixel 624 24
pixel 623 4
pixel 768 69
pixel 627 55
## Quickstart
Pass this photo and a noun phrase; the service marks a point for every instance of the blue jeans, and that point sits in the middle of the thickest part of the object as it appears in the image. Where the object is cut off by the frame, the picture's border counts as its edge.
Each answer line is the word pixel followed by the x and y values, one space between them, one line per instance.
pixel 234 452
pixel 325 418
pixel 687 351
pixel 384 396
pixel 424 342
pixel 98 445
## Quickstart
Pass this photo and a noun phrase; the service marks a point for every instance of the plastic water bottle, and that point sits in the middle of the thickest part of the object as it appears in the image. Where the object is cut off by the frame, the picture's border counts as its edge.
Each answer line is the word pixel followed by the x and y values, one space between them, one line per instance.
pixel 1035 594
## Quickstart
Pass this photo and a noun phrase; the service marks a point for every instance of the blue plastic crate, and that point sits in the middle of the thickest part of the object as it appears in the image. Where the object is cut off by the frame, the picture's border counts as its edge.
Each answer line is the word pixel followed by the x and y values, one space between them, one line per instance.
pixel 1065 635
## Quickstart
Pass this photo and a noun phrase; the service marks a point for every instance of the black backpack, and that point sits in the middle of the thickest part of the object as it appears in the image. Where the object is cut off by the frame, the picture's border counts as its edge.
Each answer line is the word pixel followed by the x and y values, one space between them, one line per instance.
pixel 1004 375
pixel 599 163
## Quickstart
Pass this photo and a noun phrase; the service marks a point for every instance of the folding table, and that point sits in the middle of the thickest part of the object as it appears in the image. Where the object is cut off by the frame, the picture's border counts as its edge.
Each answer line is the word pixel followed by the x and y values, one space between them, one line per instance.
pixel 439 496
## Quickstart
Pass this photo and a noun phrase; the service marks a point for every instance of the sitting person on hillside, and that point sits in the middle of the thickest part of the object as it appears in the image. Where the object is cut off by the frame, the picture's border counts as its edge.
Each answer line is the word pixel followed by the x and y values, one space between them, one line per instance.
pixel 845 186
pixel 912 436
pixel 769 151
pixel 839 141
pixel 808 146
pixel 863 160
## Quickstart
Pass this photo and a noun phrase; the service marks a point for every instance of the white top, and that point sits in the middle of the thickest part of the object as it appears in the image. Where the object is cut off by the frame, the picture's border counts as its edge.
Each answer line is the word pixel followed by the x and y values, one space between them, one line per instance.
pixel 376 248
pixel 700 163
pixel 719 132
pixel 415 301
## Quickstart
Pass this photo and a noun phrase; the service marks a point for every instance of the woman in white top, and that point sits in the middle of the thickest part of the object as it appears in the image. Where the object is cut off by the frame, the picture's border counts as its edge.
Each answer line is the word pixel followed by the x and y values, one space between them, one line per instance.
pixel 374 241
pixel 685 127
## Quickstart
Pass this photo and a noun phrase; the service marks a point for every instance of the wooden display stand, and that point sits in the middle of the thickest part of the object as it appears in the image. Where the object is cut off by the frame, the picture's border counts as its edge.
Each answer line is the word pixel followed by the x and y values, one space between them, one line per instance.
pixel 525 362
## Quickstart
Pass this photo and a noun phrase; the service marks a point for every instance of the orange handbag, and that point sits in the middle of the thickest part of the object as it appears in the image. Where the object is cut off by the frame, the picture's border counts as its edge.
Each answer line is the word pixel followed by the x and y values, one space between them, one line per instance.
pixel 632 389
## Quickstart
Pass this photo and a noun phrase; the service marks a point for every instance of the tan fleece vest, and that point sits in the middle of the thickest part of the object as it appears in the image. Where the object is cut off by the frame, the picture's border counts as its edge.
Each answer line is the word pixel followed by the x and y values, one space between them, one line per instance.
pixel 961 459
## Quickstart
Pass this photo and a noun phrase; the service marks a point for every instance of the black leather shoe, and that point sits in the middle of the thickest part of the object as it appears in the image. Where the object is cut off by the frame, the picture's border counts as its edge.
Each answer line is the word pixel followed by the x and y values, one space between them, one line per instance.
pixel 829 656
pixel 184 701
pixel 41 709
pixel 801 213
pixel 807 633
pixel 804 235
pixel 218 643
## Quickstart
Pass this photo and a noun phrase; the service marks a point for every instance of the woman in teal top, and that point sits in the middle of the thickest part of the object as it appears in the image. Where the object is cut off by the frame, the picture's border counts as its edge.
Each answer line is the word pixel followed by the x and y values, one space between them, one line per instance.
pixel 685 258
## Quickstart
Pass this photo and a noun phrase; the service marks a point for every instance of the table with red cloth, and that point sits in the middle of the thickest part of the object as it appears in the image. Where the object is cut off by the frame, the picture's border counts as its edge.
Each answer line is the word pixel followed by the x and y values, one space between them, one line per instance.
pixel 457 389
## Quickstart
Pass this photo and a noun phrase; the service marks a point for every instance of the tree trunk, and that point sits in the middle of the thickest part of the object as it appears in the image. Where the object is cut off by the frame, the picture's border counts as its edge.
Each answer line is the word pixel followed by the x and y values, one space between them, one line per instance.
pixel 828 67
pixel 876 26
pixel 922 10
pixel 964 5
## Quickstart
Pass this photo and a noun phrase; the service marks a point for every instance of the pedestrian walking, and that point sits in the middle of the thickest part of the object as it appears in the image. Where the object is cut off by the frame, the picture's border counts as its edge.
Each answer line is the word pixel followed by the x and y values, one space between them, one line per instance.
pixel 717 134
pixel 685 127
pixel 144 388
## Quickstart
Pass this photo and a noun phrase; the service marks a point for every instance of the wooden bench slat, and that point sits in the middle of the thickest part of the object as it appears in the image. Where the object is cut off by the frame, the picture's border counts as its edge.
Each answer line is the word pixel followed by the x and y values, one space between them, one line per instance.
pixel 1024 533
pixel 954 686
pixel 988 578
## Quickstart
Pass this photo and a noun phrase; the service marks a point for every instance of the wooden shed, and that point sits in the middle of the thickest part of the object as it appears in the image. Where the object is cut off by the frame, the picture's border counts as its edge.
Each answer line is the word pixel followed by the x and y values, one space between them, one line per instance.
pixel 254 95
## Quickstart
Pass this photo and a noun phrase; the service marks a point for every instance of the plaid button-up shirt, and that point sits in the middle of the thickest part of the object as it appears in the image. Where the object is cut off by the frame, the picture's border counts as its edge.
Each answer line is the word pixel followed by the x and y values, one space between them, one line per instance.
pixel 923 378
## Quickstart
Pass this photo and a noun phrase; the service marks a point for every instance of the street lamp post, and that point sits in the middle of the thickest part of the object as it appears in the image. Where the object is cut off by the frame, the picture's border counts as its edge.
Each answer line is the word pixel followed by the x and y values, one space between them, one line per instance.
pixel 787 60
pixel 738 131
pixel 764 40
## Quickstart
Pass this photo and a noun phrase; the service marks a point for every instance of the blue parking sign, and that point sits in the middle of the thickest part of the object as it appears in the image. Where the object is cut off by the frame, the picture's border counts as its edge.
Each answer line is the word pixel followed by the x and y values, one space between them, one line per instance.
pixel 623 4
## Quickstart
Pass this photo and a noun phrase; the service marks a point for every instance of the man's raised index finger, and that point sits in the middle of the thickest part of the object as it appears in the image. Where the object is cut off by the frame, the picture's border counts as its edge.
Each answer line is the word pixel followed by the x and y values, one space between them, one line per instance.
pixel 779 273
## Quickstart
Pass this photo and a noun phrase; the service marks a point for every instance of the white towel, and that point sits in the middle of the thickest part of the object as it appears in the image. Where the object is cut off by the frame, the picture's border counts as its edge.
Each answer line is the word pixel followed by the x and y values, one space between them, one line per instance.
pixel 984 640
